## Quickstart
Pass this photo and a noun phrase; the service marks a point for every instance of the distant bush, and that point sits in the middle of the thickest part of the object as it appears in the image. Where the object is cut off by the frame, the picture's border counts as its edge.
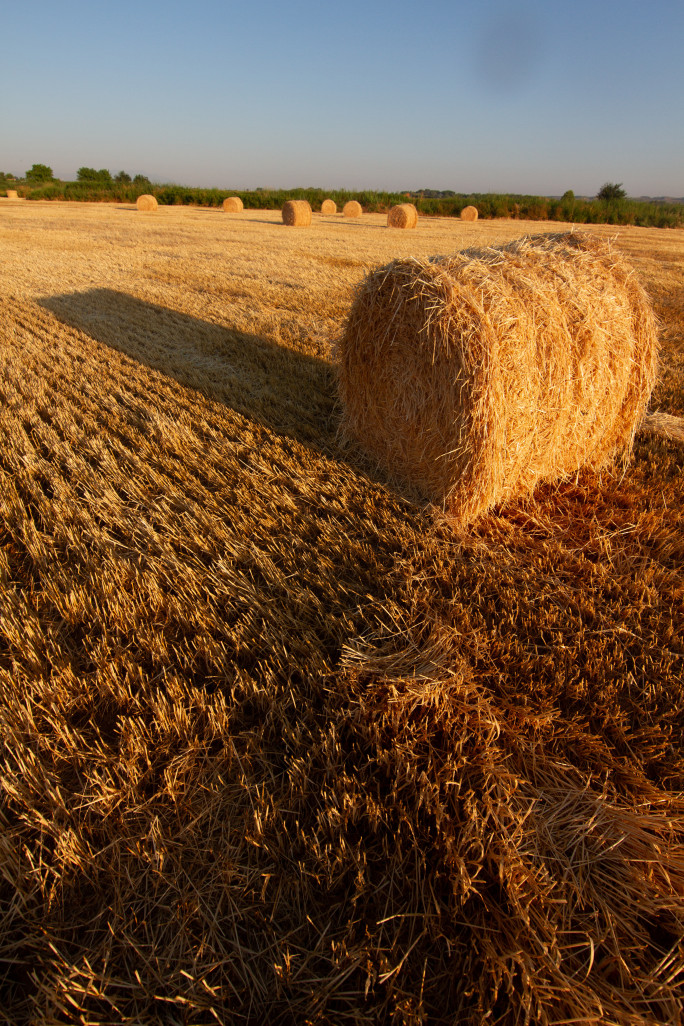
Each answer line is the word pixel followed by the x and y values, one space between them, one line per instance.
pixel 39 173
pixel 610 192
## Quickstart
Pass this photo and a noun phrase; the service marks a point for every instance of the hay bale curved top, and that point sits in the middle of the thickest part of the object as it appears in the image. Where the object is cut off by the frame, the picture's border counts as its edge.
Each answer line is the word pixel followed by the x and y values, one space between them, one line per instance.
pixel 146 202
pixel 328 206
pixel 469 214
pixel 233 205
pixel 297 213
pixel 352 209
pixel 473 377
pixel 403 215
pixel 12 194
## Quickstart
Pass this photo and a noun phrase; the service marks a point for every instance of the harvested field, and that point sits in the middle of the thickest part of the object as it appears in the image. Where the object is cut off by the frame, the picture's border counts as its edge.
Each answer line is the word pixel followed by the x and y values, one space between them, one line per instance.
pixel 277 744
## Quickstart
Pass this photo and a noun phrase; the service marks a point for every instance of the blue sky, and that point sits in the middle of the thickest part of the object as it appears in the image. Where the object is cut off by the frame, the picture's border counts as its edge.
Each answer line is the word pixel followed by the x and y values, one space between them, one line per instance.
pixel 531 97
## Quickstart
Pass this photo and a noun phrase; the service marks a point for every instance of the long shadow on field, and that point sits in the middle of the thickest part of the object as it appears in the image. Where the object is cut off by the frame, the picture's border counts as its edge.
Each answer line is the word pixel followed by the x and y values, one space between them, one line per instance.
pixel 286 391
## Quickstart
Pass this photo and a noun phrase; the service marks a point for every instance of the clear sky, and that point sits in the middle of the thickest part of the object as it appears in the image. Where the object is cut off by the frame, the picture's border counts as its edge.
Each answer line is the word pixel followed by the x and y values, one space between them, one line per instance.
pixel 537 96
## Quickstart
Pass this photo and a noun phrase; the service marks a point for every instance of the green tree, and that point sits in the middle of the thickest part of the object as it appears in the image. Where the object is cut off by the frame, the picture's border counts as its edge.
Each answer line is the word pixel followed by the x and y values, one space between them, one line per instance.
pixel 122 177
pixel 610 192
pixel 89 174
pixel 141 180
pixel 39 173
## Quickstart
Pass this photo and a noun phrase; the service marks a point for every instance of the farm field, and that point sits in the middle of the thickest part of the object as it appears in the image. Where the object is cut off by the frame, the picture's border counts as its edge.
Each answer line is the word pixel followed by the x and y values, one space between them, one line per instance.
pixel 277 743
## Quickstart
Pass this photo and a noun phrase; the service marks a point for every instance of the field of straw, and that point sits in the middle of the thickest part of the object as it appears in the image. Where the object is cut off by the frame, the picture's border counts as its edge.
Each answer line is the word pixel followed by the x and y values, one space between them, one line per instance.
pixel 278 742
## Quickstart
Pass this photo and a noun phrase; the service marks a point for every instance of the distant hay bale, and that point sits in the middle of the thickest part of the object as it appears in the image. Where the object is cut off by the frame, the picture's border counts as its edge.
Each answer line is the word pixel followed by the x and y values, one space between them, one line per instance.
pixel 297 213
pixel 146 202
pixel 328 206
pixel 475 376
pixel 403 215
pixel 12 194
pixel 233 205
pixel 469 214
pixel 352 209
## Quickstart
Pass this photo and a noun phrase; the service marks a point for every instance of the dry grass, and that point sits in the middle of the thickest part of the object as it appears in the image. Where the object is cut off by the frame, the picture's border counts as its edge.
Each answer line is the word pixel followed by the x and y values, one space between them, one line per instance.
pixel 276 744
pixel 297 213
pixel 233 205
pixel 469 214
pixel 476 376
pixel 352 209
pixel 328 206
pixel 403 215
pixel 146 202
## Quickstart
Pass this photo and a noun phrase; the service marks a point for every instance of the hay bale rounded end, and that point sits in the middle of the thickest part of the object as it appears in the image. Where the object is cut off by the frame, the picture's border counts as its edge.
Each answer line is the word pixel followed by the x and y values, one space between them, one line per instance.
pixel 233 205
pixel 12 194
pixel 403 215
pixel 352 209
pixel 297 213
pixel 328 206
pixel 146 202
pixel 474 377
pixel 469 214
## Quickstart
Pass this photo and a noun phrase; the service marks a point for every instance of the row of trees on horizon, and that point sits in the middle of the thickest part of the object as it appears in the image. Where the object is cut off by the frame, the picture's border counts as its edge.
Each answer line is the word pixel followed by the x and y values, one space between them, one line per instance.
pixel 42 173
pixel 610 206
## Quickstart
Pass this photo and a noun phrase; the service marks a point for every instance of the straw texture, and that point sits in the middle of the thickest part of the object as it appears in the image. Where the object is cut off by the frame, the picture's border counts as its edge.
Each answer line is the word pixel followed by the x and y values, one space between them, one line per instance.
pixel 12 194
pixel 233 205
pixel 403 215
pixel 328 206
pixel 352 209
pixel 469 214
pixel 474 377
pixel 297 213
pixel 146 202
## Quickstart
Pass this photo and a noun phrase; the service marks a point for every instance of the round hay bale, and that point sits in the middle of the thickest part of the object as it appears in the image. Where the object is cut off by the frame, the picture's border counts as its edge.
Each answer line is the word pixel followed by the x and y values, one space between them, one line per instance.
pixel 297 213
pixel 473 377
pixel 12 194
pixel 403 215
pixel 146 202
pixel 352 209
pixel 328 206
pixel 469 214
pixel 233 205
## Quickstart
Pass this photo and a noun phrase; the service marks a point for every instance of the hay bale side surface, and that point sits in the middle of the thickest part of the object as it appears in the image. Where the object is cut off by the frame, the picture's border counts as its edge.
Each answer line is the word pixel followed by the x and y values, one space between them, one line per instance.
pixel 233 205
pixel 403 215
pixel 352 209
pixel 473 377
pixel 146 202
pixel 297 213
pixel 469 214
pixel 12 194
pixel 328 206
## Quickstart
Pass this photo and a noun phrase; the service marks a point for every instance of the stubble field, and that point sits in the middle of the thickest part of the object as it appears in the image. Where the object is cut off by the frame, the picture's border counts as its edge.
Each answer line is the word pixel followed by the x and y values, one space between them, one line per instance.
pixel 277 743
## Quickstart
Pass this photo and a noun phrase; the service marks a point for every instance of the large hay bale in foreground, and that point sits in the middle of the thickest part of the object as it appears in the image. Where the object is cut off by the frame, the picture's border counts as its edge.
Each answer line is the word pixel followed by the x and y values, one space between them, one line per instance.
pixel 297 213
pixel 233 205
pixel 146 202
pixel 403 215
pixel 473 377
pixel 328 206
pixel 469 214
pixel 12 194
pixel 352 209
